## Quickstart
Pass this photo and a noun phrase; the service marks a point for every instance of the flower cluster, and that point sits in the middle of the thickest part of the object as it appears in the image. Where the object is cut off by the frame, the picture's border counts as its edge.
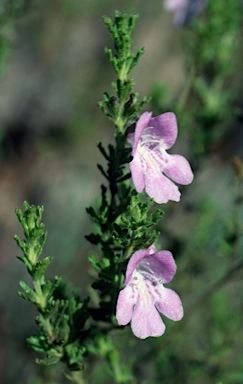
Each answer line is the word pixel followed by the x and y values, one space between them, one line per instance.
pixel 144 294
pixel 152 169
pixel 151 139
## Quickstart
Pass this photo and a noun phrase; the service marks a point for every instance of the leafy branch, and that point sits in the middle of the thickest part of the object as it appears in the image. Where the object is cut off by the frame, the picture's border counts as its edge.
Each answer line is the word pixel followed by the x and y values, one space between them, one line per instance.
pixel 60 319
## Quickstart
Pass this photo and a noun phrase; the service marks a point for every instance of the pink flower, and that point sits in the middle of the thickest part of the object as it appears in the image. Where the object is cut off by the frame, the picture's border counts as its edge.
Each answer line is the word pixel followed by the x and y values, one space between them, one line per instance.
pixel 145 295
pixel 150 140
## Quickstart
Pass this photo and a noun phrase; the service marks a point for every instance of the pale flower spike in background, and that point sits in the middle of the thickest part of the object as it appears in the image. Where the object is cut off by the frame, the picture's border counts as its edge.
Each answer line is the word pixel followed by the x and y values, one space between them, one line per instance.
pixel 175 5
pixel 185 10
pixel 145 295
pixel 151 139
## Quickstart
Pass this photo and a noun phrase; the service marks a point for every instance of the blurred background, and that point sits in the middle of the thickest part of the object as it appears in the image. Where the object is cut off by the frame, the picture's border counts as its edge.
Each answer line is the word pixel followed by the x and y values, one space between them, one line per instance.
pixel 53 71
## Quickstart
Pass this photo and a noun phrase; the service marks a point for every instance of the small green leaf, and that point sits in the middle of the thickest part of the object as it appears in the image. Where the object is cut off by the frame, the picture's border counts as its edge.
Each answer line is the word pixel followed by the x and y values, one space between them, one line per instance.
pixel 97 264
pixel 40 267
pixel 23 295
pixel 39 343
pixel 50 360
pixel 75 354
pixel 30 294
pixel 25 287
pixel 93 238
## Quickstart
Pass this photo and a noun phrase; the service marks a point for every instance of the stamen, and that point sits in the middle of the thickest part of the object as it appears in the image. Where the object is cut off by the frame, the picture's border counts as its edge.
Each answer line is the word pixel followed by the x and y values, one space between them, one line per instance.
pixel 147 273
pixel 147 128
pixel 150 137
pixel 149 141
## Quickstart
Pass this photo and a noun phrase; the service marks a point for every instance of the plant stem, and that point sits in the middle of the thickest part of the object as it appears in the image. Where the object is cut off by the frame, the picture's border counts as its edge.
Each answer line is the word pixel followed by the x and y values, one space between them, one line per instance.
pixel 186 91
pixel 113 359
pixel 42 303
pixel 128 250
pixel 41 297
pixel 77 377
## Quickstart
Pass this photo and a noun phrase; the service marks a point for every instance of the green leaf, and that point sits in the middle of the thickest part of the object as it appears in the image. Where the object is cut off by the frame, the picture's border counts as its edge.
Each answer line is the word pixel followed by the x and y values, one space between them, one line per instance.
pixel 26 262
pixel 50 360
pixel 23 295
pixel 75 354
pixel 93 238
pixel 40 267
pixel 103 151
pixel 99 264
pixel 39 343
pixel 29 293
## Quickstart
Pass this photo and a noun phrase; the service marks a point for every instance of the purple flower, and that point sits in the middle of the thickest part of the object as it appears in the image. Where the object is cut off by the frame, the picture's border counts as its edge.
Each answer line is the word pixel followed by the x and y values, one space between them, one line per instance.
pixel 150 140
pixel 145 295
pixel 185 10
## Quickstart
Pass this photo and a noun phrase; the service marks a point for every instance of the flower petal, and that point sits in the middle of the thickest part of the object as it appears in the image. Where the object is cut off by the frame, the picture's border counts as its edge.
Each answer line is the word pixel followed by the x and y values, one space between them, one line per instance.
pixel 160 265
pixel 160 188
pixel 125 303
pixel 178 169
pixel 170 305
pixel 142 123
pixel 133 262
pixel 165 127
pixel 146 321
pixel 137 173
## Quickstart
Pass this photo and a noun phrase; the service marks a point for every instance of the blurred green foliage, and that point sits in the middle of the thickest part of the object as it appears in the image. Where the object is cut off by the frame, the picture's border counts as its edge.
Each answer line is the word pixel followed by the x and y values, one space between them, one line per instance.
pixel 206 106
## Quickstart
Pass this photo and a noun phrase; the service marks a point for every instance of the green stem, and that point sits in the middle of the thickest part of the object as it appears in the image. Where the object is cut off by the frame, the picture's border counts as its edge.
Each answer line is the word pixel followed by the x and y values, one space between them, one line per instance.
pixel 186 91
pixel 119 122
pixel 123 73
pixel 128 250
pixel 42 302
pixel 77 377
pixel 121 374
pixel 113 359
pixel 41 297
